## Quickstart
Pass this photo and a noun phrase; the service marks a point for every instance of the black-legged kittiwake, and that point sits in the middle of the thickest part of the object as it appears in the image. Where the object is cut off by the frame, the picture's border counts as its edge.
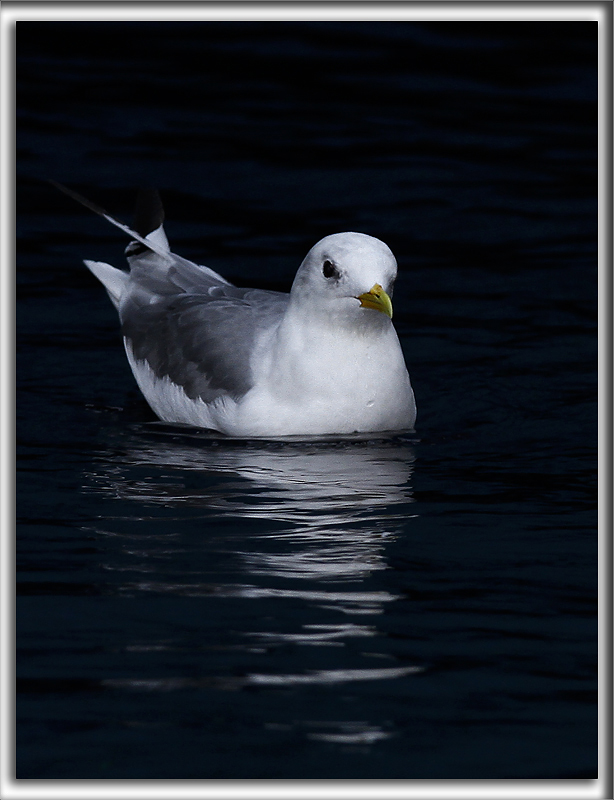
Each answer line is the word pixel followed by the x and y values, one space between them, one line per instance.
pixel 323 359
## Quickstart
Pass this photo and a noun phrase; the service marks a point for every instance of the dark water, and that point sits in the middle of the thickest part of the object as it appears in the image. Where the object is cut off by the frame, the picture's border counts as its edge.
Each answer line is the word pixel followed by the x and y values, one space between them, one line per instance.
pixel 422 607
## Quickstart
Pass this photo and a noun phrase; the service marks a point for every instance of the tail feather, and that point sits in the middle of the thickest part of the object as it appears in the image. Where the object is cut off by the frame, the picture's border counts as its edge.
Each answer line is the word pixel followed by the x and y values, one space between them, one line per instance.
pixel 114 280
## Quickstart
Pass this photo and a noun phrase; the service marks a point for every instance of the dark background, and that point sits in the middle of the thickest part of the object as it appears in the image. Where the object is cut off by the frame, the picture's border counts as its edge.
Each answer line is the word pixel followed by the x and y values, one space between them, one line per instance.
pixel 421 608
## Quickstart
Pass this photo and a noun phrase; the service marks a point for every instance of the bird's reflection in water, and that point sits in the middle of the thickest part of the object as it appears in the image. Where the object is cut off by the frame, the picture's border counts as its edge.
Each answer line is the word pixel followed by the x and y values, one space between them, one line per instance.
pixel 301 523
pixel 325 508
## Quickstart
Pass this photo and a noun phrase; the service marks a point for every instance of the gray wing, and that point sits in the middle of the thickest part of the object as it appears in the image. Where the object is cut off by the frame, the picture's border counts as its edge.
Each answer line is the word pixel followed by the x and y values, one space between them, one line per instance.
pixel 188 322
pixel 185 320
pixel 202 341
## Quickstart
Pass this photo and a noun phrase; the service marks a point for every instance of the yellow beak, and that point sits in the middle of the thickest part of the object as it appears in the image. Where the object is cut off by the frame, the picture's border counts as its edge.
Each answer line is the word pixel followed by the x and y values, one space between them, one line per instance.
pixel 377 299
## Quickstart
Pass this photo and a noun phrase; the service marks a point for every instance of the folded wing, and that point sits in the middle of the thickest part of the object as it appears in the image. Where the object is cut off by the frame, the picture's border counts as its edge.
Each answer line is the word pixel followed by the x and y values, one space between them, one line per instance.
pixel 184 320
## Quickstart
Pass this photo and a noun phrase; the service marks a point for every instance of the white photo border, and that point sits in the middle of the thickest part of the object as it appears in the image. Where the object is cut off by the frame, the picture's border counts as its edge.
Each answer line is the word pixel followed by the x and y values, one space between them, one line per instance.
pixel 10 13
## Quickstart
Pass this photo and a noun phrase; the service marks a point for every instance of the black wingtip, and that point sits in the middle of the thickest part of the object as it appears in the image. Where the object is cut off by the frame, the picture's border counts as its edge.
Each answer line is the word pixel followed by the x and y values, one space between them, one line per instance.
pixel 149 214
pixel 152 216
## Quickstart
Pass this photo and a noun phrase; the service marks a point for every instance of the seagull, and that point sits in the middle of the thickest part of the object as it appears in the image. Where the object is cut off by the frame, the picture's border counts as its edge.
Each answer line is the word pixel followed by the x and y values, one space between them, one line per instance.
pixel 323 359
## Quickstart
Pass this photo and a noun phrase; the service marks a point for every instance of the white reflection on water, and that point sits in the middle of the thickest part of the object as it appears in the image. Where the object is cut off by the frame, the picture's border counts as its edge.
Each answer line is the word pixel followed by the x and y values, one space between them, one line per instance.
pixel 332 506
pixel 291 522
pixel 321 677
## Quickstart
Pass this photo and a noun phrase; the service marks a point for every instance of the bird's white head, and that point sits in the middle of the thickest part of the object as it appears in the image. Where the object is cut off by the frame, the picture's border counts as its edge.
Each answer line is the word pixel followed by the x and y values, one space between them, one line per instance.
pixel 347 275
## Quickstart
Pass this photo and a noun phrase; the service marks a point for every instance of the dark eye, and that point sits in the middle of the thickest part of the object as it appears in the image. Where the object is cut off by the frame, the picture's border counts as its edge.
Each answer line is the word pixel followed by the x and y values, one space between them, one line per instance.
pixel 328 269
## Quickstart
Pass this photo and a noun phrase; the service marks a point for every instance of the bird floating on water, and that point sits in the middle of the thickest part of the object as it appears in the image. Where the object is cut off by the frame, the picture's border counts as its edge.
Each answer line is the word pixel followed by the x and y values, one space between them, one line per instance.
pixel 323 359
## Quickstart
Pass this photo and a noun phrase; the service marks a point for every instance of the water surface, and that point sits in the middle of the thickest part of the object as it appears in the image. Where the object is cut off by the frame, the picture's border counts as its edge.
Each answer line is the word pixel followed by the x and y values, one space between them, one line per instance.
pixel 421 606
